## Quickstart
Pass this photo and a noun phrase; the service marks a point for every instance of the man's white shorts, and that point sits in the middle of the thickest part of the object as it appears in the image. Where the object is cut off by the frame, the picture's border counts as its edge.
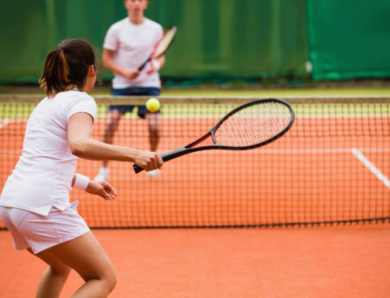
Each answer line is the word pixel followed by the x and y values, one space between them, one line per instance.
pixel 38 232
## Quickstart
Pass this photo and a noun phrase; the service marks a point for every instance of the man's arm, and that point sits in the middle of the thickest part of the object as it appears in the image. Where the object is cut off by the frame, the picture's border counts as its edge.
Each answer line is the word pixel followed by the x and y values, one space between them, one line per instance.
pixel 108 61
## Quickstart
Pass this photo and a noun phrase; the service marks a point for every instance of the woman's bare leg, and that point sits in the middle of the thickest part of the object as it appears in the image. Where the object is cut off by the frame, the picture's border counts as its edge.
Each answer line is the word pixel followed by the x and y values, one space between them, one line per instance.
pixel 53 279
pixel 87 257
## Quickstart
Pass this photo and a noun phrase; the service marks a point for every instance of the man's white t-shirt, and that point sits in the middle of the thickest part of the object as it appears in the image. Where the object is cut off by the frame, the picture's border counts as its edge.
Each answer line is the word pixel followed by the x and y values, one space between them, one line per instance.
pixel 43 175
pixel 133 44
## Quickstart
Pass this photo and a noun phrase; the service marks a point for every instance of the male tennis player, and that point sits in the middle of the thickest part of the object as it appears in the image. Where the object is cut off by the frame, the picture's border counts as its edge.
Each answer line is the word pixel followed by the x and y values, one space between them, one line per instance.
pixel 128 43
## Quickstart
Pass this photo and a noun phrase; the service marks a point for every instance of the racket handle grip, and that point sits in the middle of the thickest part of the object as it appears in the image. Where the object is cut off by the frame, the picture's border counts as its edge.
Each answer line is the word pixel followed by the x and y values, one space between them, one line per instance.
pixel 137 169
pixel 165 157
pixel 144 64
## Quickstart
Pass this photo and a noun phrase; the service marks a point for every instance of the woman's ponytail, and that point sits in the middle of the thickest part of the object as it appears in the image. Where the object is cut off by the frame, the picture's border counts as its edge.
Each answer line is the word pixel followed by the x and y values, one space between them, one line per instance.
pixel 67 66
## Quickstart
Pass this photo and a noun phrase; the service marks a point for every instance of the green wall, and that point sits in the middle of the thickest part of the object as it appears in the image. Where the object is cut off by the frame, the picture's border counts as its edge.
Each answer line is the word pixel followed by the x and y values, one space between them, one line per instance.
pixel 216 38
pixel 349 39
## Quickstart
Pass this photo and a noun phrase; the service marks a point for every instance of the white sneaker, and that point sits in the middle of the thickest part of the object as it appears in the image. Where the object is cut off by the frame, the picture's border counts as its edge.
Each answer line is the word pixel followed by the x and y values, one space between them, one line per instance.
pixel 102 175
pixel 153 173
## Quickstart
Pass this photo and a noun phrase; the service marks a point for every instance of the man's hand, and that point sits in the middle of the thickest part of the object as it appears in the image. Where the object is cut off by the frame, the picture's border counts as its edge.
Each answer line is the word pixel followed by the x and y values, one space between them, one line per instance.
pixel 130 73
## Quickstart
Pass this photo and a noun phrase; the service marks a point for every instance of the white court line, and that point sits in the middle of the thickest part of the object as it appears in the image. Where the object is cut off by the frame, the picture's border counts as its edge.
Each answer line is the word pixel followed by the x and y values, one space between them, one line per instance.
pixel 360 156
pixel 4 123
pixel 315 150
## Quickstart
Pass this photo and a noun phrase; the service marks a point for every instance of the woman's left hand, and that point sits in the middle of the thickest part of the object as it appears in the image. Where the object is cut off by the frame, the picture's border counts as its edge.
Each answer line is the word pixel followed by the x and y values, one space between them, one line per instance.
pixel 102 188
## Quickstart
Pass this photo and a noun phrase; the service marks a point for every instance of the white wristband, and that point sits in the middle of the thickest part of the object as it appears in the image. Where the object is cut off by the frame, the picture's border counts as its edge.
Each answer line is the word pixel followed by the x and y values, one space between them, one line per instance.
pixel 81 182
pixel 156 64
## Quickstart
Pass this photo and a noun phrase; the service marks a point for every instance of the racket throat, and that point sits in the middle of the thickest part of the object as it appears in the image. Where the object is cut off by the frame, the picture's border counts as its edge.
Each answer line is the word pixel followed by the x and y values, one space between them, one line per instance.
pixel 198 141
pixel 176 153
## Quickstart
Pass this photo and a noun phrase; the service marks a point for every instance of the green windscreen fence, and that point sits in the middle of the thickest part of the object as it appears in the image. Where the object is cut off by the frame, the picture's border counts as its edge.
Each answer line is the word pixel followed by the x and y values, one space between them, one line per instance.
pixel 349 38
pixel 216 38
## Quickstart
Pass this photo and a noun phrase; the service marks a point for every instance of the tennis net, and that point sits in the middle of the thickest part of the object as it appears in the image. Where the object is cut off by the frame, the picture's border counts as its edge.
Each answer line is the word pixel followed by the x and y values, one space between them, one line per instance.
pixel 332 167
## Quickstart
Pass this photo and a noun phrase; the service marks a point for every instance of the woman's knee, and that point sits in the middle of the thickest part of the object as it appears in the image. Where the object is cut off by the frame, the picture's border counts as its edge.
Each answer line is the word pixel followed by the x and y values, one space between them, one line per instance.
pixel 63 271
pixel 56 266
pixel 107 278
pixel 110 280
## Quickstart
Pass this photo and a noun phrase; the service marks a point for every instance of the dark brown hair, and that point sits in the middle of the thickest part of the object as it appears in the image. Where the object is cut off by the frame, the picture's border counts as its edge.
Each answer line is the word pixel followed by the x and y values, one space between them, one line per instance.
pixel 67 65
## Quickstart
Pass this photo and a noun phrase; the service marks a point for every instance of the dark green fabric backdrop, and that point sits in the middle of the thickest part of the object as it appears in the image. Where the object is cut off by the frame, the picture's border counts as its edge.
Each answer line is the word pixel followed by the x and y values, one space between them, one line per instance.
pixel 216 38
pixel 349 38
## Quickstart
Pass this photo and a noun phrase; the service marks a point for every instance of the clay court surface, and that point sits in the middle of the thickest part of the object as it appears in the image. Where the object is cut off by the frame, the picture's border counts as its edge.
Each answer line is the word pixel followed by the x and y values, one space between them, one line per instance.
pixel 344 261
pixel 303 177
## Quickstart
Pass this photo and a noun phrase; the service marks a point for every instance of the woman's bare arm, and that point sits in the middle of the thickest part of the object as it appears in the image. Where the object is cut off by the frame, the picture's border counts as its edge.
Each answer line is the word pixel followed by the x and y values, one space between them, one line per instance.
pixel 82 145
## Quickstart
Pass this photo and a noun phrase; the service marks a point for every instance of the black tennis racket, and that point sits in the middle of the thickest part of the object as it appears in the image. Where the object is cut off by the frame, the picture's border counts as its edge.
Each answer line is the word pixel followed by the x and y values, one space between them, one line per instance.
pixel 161 46
pixel 248 126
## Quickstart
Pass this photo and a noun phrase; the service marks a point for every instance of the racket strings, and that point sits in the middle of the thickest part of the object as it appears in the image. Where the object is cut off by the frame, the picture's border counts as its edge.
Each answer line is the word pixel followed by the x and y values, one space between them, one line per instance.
pixel 253 125
pixel 165 42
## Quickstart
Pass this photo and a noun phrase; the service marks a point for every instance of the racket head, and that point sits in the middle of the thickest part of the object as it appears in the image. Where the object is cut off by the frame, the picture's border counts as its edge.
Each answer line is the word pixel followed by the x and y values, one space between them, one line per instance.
pixel 165 42
pixel 250 125
pixel 253 124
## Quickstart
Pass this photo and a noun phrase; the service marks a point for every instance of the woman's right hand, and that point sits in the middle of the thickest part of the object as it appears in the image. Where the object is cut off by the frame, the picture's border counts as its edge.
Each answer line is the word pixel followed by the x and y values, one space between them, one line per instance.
pixel 148 160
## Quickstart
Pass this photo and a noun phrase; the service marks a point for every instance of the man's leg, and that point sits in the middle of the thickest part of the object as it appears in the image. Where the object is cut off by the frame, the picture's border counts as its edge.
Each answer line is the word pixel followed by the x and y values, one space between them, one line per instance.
pixel 154 130
pixel 111 126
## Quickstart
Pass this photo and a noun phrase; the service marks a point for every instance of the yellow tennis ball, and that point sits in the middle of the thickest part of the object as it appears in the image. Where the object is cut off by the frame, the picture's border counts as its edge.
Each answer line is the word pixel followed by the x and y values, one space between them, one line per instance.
pixel 152 104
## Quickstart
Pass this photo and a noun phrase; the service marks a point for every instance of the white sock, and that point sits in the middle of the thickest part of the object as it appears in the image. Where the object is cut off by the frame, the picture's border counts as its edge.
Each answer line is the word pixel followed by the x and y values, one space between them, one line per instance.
pixel 153 173
pixel 104 171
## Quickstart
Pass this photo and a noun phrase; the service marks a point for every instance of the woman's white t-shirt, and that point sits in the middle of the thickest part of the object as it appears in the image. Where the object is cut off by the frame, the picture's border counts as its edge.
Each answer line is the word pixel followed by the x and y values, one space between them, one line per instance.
pixel 132 45
pixel 43 175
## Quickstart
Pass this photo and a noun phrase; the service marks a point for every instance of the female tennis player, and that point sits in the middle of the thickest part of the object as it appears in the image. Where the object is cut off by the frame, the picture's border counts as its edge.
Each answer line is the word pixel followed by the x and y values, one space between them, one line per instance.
pixel 34 204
